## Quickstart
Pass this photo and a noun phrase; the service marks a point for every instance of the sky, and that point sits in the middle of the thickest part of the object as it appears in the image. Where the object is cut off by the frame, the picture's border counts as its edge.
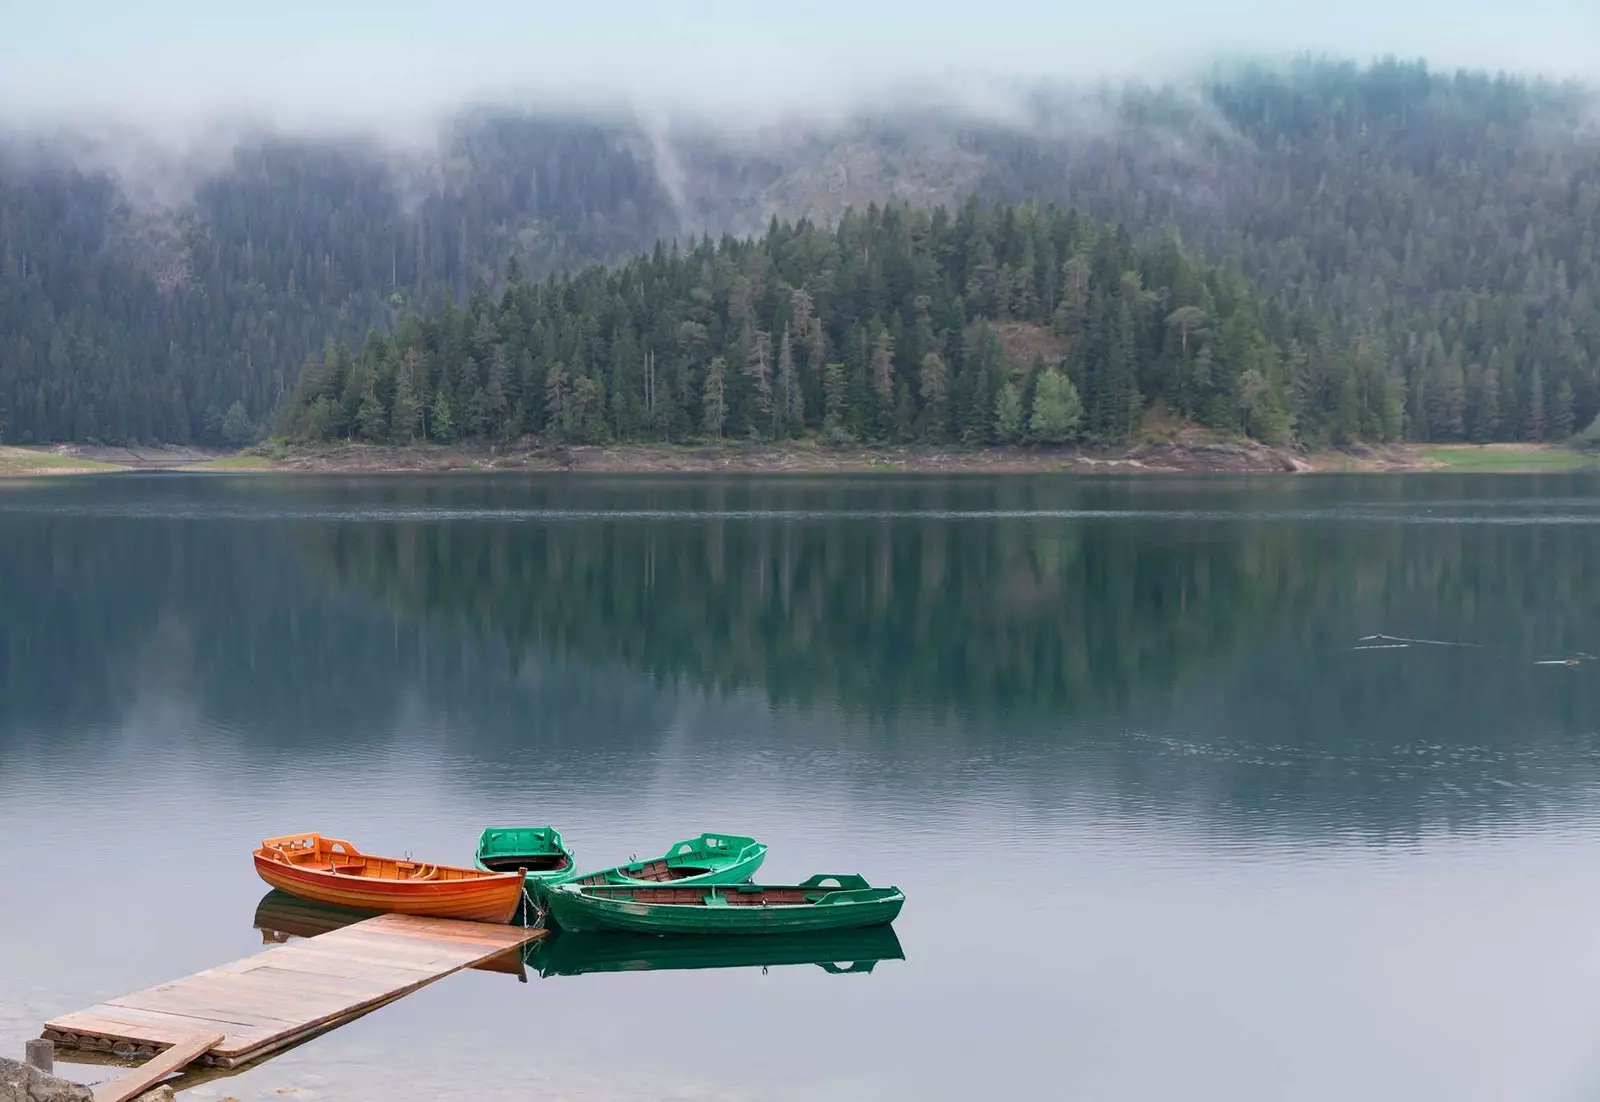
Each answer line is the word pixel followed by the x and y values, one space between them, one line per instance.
pixel 364 62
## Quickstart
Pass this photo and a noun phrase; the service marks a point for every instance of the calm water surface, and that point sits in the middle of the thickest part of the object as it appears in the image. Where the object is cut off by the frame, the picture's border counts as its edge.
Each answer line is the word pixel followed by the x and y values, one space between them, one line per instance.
pixel 1165 830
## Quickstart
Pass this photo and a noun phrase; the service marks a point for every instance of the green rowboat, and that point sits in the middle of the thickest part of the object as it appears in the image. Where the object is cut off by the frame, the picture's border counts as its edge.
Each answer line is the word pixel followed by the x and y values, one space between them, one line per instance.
pixel 708 859
pixel 838 952
pixel 540 850
pixel 824 902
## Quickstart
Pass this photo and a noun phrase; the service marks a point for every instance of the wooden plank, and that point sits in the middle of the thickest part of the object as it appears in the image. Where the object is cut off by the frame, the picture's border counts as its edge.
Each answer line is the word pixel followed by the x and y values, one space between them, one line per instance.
pixel 162 1065
pixel 120 1023
pixel 401 949
pixel 290 1040
pixel 290 992
pixel 333 968
pixel 273 979
pixel 243 1011
pixel 439 928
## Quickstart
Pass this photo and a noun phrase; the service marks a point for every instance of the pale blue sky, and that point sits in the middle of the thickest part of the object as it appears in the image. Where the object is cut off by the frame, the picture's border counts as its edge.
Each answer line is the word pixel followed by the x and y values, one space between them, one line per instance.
pixel 369 60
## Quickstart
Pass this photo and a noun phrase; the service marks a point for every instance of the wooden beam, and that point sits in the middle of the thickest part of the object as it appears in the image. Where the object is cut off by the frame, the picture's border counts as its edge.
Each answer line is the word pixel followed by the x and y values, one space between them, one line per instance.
pixel 163 1064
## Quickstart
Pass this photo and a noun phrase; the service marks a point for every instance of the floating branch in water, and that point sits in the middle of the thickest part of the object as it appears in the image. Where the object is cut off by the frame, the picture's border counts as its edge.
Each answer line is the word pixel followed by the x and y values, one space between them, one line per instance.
pixel 1381 641
pixel 1422 642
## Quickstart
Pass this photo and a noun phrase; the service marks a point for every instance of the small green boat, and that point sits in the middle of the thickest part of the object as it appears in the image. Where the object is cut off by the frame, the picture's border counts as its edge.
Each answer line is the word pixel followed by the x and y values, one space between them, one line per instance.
pixel 838 952
pixel 824 902
pixel 708 859
pixel 540 850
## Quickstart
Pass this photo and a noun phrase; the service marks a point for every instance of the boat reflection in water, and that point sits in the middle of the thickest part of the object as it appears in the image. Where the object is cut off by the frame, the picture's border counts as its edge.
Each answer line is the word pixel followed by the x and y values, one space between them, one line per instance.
pixel 835 951
pixel 280 916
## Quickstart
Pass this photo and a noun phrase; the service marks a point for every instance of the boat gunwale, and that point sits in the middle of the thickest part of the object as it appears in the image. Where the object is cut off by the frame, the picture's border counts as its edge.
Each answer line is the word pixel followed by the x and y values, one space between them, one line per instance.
pixel 620 895
pixel 745 860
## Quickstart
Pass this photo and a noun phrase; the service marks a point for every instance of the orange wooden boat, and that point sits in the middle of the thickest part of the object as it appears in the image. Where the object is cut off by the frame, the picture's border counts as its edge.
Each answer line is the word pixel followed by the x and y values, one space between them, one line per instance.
pixel 328 870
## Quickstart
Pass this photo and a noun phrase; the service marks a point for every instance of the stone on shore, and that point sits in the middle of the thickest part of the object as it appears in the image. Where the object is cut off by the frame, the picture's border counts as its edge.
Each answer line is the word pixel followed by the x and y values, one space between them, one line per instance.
pixel 20 1083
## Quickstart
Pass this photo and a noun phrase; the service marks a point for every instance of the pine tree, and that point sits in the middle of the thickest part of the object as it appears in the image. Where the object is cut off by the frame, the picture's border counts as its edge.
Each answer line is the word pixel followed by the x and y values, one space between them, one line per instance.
pixel 789 414
pixel 558 421
pixel 236 429
pixel 1448 402
pixel 883 380
pixel 443 421
pixel 586 410
pixel 407 408
pixel 1563 416
pixel 817 351
pixel 1057 409
pixel 1486 410
pixel 713 400
pixel 1008 414
pixel 477 418
pixel 497 405
pixel 371 419
pixel 1535 427
pixel 759 369
pixel 934 383
pixel 977 418
pixel 836 391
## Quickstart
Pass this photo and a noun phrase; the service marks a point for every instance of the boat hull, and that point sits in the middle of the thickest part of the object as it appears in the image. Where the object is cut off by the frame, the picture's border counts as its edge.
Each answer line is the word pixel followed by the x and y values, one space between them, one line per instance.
pixel 733 909
pixel 333 872
pixel 488 900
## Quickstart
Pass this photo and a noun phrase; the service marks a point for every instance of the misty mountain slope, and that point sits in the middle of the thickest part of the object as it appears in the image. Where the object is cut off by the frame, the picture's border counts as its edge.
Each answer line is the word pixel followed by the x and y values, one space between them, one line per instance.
pixel 1448 222
pixel 121 319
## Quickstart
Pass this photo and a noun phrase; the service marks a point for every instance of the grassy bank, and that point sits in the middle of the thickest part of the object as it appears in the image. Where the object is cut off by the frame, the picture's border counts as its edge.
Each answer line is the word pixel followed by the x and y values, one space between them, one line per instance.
pixel 1508 458
pixel 28 461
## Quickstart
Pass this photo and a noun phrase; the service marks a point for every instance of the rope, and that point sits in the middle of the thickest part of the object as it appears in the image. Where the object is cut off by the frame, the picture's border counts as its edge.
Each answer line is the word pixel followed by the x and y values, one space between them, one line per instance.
pixel 532 907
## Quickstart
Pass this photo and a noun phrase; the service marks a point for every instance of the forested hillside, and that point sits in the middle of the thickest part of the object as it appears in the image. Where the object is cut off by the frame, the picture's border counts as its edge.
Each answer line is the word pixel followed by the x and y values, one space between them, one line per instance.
pixel 1427 243
pixel 886 329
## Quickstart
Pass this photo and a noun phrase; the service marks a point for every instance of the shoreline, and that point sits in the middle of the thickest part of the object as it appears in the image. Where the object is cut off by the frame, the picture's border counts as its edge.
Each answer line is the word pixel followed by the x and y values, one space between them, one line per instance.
pixel 1172 457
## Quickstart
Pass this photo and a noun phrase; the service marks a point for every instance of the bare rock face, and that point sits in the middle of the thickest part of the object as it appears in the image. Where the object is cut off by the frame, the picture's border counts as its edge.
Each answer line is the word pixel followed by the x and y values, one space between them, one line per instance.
pixel 20 1083
pixel 162 1093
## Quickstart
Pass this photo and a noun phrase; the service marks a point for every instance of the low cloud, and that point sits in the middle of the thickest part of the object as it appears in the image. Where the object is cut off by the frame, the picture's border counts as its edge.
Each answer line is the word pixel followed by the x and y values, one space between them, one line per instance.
pixel 398 71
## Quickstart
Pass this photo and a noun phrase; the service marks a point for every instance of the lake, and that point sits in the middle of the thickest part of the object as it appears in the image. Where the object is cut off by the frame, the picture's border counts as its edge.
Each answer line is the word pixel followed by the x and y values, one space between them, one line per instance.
pixel 1169 822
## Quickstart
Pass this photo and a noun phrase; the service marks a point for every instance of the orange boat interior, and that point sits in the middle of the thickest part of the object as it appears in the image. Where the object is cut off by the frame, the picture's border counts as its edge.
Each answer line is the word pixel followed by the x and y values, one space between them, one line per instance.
pixel 315 853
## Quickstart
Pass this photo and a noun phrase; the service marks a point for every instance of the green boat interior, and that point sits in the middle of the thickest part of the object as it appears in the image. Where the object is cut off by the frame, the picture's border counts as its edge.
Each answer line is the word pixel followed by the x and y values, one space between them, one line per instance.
pixel 533 862
pixel 537 849
pixel 655 872
pixel 735 895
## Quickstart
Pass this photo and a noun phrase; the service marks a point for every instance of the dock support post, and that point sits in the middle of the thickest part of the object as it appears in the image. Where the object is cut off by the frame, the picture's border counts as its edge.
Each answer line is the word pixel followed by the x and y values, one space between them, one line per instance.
pixel 41 1056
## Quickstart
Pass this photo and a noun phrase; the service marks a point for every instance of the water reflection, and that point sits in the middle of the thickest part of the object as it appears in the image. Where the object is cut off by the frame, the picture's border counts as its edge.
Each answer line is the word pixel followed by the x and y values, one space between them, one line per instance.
pixel 1204 826
pixel 1188 644
pixel 838 952
pixel 280 917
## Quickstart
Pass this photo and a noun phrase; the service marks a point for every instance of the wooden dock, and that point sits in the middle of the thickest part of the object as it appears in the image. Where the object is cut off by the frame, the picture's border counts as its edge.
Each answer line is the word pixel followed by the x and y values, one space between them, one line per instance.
pixel 282 996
